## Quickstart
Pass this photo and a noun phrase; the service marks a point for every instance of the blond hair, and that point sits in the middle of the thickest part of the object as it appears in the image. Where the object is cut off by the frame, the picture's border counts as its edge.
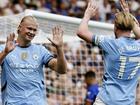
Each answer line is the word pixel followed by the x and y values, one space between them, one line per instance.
pixel 28 17
pixel 124 21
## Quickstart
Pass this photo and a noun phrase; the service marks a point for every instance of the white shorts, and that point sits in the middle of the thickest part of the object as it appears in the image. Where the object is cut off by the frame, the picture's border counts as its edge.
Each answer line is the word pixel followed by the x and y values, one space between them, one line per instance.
pixel 98 101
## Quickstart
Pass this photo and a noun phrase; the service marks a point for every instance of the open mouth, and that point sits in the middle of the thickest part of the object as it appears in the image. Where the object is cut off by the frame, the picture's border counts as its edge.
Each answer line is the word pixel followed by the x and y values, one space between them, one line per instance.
pixel 30 36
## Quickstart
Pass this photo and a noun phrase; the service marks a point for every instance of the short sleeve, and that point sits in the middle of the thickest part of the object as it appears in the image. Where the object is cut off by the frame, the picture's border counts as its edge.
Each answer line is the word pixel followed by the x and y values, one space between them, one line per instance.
pixel 106 43
pixel 90 95
pixel 46 55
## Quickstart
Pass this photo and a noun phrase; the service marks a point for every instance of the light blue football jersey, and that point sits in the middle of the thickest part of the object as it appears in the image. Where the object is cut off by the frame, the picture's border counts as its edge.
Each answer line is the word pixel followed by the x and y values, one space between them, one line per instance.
pixel 121 69
pixel 23 75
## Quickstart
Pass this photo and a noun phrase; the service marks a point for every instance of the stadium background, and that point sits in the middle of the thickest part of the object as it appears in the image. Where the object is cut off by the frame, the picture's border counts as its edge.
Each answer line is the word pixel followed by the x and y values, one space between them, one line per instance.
pixel 70 89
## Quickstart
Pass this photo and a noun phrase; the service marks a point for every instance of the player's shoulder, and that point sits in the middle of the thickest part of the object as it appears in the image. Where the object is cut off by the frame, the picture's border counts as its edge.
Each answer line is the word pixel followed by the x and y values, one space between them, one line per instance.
pixel 104 39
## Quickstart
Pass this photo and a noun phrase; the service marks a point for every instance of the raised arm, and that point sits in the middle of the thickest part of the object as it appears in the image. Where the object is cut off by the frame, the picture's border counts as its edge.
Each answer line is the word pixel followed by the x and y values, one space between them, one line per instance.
pixel 125 8
pixel 59 64
pixel 10 45
pixel 83 31
pixel 136 29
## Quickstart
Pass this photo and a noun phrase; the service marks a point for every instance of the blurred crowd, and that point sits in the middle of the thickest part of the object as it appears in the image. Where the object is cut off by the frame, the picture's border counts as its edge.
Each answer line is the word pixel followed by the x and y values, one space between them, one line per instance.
pixel 74 8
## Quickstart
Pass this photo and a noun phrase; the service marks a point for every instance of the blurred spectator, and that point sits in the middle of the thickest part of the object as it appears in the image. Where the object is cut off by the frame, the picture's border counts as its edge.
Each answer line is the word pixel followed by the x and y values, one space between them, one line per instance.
pixel 20 5
pixel 3 3
pixel 92 88
pixel 104 9
pixel 74 8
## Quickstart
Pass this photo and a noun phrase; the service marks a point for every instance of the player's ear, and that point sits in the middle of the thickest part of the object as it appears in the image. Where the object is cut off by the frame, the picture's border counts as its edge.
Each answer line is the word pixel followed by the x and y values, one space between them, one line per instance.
pixel 18 29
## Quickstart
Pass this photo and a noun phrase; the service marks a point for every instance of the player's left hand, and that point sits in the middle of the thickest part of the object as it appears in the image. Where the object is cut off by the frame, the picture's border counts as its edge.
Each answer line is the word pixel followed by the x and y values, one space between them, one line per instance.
pixel 124 5
pixel 57 39
pixel 92 9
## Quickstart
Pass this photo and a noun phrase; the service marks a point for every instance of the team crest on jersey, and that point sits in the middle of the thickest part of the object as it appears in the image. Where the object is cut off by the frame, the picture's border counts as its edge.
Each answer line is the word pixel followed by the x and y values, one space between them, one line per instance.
pixel 35 56
pixel 24 55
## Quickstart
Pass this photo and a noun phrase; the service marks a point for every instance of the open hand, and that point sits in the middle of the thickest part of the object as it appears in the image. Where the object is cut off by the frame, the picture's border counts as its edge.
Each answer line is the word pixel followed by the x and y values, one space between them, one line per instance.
pixel 91 9
pixel 124 5
pixel 10 45
pixel 125 8
pixel 57 39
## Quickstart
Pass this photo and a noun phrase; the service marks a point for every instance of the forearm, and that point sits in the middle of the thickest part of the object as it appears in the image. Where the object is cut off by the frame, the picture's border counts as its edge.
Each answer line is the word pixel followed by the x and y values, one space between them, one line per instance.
pixel 84 24
pixel 61 61
pixel 2 56
pixel 83 30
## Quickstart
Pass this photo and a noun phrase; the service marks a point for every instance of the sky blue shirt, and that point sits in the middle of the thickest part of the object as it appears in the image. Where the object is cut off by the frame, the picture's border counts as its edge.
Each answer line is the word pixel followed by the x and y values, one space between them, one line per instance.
pixel 23 76
pixel 121 69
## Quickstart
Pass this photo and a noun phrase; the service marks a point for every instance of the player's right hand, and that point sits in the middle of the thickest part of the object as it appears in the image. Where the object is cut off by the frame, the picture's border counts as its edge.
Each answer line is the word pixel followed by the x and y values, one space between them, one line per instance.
pixel 57 39
pixel 10 45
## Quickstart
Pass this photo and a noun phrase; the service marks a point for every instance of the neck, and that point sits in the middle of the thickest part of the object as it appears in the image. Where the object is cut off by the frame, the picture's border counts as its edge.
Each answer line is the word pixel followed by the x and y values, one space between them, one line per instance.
pixel 124 34
pixel 92 82
pixel 23 43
